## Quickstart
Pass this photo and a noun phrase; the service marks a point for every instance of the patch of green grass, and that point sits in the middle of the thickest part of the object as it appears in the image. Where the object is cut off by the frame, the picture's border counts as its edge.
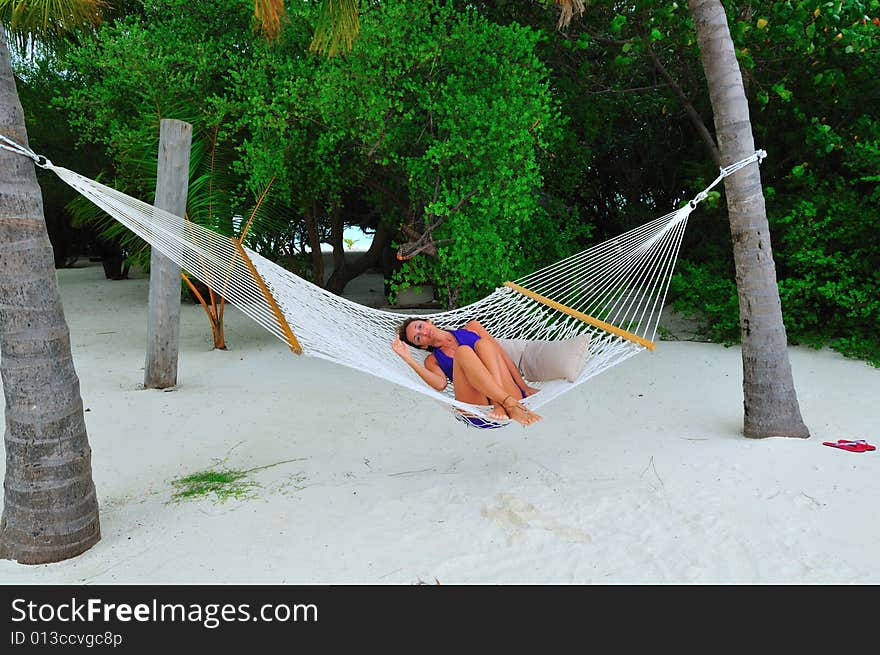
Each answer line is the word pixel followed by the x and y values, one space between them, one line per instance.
pixel 222 485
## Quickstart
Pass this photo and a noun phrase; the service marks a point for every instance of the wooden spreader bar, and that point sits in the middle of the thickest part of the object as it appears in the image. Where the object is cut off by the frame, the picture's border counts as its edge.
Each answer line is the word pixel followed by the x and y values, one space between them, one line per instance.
pixel 586 318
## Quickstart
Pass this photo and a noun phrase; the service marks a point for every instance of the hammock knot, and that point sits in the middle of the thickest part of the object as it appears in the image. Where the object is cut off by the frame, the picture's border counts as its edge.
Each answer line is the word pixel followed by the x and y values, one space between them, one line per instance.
pixel 700 197
pixel 42 161
pixel 8 144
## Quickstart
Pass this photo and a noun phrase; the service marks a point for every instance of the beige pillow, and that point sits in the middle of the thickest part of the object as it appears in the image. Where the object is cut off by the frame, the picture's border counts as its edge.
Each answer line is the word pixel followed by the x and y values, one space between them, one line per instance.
pixel 549 360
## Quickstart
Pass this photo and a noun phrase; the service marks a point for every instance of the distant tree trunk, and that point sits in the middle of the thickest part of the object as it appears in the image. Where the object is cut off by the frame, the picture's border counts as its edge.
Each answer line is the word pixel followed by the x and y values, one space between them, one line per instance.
pixel 50 510
pixel 340 275
pixel 315 245
pixel 372 257
pixel 163 328
pixel 770 400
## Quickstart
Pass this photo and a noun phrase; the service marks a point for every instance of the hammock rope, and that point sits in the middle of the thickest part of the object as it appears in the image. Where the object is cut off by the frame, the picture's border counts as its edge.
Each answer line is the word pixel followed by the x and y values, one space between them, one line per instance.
pixel 614 291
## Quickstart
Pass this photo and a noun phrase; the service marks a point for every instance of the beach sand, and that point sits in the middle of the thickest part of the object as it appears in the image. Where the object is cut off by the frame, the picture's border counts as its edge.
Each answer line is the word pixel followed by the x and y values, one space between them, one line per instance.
pixel 639 476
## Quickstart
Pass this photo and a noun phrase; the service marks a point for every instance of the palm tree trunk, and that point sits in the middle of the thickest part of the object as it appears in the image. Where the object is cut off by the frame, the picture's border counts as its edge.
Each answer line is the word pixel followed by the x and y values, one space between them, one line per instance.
pixel 50 510
pixel 770 401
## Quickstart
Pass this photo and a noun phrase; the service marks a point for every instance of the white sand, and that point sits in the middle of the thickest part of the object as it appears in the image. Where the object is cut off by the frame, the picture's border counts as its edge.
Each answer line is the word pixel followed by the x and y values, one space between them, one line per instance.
pixel 639 476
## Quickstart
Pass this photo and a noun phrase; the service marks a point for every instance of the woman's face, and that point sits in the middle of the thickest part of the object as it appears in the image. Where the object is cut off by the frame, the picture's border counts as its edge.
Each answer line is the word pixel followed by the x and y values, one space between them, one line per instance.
pixel 421 333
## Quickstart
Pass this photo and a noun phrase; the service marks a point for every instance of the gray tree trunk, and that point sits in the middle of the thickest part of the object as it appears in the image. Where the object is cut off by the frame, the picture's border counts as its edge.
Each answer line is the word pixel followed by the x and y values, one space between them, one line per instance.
pixel 50 509
pixel 163 327
pixel 770 400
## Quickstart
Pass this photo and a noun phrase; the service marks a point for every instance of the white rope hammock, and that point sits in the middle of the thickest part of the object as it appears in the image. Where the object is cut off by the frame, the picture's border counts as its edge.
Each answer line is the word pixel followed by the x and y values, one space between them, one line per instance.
pixel 614 291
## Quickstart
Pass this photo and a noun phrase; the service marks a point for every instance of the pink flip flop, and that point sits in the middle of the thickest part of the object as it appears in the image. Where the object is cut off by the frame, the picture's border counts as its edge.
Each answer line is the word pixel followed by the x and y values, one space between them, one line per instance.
pixel 858 446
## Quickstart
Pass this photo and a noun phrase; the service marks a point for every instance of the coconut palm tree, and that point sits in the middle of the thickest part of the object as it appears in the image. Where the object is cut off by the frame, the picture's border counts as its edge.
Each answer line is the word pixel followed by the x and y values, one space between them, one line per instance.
pixel 50 509
pixel 770 401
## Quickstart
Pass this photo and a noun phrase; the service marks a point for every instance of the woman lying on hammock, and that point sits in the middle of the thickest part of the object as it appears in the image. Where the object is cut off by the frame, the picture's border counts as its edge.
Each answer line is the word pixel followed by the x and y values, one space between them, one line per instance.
pixel 481 372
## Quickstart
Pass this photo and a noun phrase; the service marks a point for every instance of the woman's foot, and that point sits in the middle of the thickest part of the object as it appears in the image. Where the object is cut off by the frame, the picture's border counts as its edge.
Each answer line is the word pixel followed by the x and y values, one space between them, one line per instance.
pixel 530 391
pixel 498 413
pixel 519 412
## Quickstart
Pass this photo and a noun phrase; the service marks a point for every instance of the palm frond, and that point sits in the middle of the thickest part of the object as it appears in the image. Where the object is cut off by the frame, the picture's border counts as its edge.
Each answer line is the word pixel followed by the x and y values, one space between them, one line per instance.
pixel 337 27
pixel 268 15
pixel 39 20
pixel 569 9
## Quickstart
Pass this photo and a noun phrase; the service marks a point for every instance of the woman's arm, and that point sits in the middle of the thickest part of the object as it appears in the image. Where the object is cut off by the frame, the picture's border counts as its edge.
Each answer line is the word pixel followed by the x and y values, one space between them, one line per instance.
pixel 476 326
pixel 430 372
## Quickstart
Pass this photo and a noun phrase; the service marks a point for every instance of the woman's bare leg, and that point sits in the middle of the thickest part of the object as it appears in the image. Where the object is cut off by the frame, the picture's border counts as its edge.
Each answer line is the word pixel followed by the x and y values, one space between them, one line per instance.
pixel 476 326
pixel 464 390
pixel 470 373
pixel 490 354
pixel 512 370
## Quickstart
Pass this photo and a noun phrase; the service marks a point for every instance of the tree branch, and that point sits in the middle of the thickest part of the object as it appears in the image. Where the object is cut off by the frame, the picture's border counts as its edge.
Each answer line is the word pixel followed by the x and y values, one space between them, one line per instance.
pixel 423 242
pixel 692 113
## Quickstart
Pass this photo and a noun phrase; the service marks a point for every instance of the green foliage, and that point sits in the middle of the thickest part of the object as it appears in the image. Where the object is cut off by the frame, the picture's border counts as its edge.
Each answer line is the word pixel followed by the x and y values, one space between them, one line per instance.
pixel 810 70
pixel 147 66
pixel 830 257
pixel 478 125
pixel 824 206
pixel 709 296
pixel 528 143
pixel 140 69
pixel 434 113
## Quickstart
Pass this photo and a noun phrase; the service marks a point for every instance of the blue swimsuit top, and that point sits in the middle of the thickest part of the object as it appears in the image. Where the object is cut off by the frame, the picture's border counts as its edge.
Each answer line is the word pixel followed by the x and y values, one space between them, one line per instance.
pixel 464 338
